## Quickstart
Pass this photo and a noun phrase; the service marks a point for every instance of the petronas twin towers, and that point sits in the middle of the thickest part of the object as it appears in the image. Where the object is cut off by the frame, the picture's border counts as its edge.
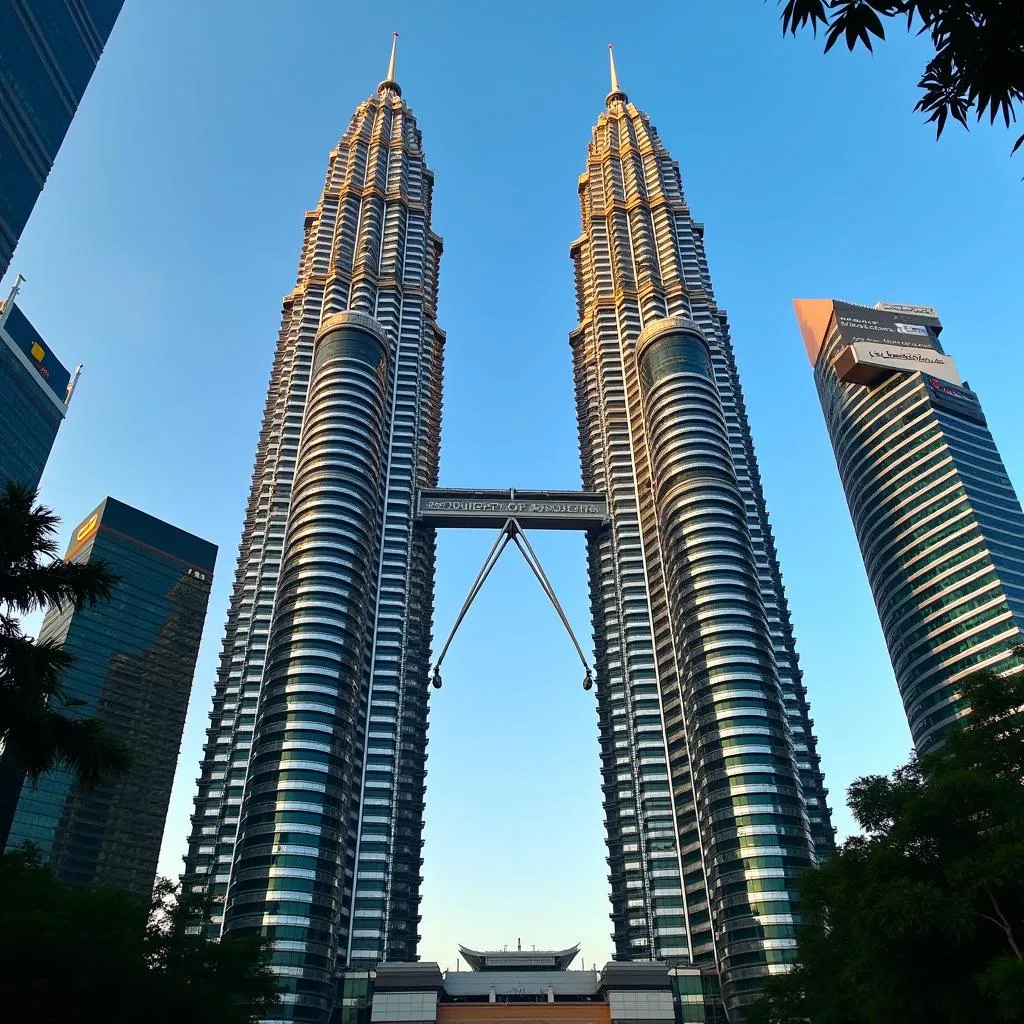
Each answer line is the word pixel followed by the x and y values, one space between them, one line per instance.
pixel 308 822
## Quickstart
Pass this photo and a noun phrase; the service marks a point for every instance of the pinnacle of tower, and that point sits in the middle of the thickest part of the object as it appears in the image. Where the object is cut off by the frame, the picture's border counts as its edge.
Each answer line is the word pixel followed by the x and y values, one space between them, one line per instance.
pixel 616 95
pixel 389 82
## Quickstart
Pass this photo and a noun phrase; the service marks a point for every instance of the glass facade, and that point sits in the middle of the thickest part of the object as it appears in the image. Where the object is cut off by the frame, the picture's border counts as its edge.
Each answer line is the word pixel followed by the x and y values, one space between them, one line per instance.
pixel 354 999
pixel 33 392
pixel 714 798
pixel 134 658
pixel 939 524
pixel 697 998
pixel 309 814
pixel 48 52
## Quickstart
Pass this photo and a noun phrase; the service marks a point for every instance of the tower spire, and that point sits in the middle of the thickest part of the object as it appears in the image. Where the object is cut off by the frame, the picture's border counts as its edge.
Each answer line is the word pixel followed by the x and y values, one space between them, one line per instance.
pixel 390 82
pixel 616 95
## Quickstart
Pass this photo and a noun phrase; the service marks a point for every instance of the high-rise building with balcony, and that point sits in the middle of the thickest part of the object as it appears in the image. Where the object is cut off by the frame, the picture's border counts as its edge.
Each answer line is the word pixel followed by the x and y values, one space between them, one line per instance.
pixel 134 659
pixel 48 52
pixel 310 805
pixel 939 524
pixel 713 792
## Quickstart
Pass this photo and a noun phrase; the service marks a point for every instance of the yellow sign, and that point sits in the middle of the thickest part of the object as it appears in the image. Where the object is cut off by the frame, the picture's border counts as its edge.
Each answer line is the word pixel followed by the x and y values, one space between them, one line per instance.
pixel 38 352
pixel 87 528
pixel 82 534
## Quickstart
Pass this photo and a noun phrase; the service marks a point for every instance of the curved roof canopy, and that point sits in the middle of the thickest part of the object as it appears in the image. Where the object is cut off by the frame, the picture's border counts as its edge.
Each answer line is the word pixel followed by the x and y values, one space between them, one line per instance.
pixel 520 959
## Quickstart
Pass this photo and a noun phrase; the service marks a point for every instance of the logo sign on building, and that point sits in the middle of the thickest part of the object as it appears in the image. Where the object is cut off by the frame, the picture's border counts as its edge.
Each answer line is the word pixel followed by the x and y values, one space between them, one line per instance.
pixel 53 374
pixel 898 307
pixel 83 534
pixel 958 400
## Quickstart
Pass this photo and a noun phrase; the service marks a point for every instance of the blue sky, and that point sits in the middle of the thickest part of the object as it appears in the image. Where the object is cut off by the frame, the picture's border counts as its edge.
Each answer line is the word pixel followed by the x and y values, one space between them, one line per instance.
pixel 170 229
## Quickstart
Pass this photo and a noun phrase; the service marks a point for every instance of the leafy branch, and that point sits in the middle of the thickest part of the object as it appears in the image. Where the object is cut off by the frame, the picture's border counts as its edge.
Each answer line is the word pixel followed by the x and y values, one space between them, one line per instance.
pixel 978 63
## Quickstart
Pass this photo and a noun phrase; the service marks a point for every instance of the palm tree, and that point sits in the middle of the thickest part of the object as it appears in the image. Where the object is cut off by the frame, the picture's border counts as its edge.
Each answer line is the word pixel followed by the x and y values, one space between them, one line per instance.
pixel 41 726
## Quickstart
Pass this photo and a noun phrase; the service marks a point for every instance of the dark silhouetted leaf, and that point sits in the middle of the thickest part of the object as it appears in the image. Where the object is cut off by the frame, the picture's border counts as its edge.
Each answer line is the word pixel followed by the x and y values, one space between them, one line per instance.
pixel 798 13
pixel 978 60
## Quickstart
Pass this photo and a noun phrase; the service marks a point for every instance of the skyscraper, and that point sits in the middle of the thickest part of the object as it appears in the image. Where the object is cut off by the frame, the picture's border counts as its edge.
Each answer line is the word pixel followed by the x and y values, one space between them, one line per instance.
pixel 35 389
pixel 48 52
pixel 322 688
pixel 309 813
pixel 134 658
pixel 713 792
pixel 939 524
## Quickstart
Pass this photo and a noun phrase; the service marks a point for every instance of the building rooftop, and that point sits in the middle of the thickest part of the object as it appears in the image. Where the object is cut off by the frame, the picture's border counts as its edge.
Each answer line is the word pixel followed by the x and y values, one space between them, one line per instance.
pixel 520 959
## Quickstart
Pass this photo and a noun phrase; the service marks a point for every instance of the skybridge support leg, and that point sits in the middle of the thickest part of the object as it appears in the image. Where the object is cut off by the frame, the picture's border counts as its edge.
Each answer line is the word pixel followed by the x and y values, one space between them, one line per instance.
pixel 512 532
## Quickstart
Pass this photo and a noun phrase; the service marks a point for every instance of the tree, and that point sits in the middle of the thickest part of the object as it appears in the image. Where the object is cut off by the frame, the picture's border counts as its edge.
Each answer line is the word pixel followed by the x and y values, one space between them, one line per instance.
pixel 41 726
pixel 76 957
pixel 921 918
pixel 978 64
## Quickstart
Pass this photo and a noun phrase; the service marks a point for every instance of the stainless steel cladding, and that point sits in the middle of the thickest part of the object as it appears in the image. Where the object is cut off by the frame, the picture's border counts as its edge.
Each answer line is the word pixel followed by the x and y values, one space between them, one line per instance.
pixel 328 630
pixel 750 808
pixel 683 677
pixel 295 824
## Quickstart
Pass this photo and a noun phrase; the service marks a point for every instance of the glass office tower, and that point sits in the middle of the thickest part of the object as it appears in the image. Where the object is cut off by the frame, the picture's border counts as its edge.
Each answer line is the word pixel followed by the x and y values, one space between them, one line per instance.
pixel 35 389
pixel 48 52
pixel 134 658
pixel 939 524
pixel 714 798
pixel 309 814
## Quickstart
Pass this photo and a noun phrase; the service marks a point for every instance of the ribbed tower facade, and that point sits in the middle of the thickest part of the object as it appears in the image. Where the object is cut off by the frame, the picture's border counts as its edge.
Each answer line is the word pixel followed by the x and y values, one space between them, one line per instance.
pixel 309 816
pixel 939 524
pixel 713 792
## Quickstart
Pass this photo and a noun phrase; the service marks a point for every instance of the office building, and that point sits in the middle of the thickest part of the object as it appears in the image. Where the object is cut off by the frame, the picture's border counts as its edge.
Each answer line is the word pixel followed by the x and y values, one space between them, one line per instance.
pixel 35 390
pixel 939 524
pixel 530 987
pixel 134 658
pixel 48 52
pixel 713 792
pixel 309 814
pixel 322 689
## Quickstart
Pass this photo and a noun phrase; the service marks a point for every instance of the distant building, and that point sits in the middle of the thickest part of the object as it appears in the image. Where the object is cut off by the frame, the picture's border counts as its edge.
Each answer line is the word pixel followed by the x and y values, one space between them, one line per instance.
pixel 35 389
pixel 48 52
pixel 135 656
pixel 939 524
pixel 533 987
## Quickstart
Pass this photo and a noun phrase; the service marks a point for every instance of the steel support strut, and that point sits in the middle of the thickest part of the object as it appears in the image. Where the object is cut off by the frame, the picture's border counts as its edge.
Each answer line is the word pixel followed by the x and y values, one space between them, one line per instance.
pixel 512 532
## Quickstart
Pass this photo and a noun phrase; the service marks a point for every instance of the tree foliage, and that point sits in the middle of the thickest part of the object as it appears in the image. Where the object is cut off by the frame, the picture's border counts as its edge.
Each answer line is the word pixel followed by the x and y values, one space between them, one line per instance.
pixel 41 726
pixel 921 918
pixel 73 957
pixel 978 61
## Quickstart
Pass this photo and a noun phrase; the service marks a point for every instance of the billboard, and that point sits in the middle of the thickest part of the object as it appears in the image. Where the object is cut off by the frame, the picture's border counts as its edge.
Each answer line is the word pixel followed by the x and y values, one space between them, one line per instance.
pixel 867 362
pixel 889 323
pixel 29 341
pixel 905 328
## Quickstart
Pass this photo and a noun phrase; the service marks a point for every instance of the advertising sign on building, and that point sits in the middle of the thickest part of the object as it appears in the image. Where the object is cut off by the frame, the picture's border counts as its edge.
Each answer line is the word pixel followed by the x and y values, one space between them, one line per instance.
pixel 899 307
pixel 903 328
pixel 868 362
